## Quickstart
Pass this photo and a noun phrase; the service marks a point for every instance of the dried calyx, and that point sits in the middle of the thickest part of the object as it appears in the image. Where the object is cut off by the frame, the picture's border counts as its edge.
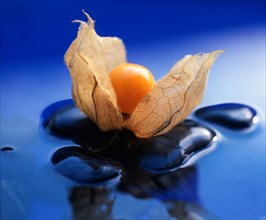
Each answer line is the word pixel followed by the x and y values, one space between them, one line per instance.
pixel 90 58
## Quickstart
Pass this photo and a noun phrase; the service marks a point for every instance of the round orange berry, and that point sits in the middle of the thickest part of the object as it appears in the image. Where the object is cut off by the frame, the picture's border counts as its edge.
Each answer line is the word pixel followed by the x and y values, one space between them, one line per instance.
pixel 131 83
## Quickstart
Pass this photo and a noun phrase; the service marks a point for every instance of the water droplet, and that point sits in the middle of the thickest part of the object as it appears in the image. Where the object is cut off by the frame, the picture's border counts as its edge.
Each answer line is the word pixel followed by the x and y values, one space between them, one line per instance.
pixel 81 166
pixel 230 115
pixel 7 149
pixel 63 119
pixel 175 149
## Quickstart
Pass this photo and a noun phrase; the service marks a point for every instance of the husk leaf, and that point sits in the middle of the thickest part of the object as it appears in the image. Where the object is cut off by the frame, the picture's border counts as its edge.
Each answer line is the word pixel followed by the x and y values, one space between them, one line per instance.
pixel 89 59
pixel 173 98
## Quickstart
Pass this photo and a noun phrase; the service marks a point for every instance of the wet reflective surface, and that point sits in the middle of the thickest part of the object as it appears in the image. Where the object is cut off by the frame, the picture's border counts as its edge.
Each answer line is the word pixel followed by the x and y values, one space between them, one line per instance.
pixel 174 149
pixel 230 115
pixel 104 171
pixel 92 203
pixel 64 120
pixel 158 155
pixel 79 165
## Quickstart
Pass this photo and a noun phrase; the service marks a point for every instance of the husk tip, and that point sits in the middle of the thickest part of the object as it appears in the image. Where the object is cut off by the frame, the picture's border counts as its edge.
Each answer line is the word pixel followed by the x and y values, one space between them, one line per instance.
pixel 90 20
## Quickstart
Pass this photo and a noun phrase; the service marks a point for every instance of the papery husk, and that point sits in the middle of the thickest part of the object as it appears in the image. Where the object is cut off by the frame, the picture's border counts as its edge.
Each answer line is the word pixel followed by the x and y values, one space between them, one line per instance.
pixel 89 59
pixel 173 98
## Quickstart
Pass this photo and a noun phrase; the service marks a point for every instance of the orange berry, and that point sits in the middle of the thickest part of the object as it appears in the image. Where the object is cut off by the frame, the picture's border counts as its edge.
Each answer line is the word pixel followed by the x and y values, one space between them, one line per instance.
pixel 131 83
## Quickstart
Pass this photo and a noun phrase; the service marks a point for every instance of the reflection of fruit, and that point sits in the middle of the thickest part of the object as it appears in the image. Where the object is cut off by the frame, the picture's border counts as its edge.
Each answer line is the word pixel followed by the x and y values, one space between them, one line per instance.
pixel 131 83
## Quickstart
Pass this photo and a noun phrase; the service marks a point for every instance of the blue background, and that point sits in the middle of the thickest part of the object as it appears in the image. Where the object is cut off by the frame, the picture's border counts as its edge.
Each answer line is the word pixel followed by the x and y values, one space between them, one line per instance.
pixel 42 30
pixel 34 37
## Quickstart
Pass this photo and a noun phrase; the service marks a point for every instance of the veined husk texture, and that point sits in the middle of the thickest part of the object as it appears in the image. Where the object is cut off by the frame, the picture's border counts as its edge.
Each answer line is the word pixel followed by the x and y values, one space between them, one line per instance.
pixel 90 58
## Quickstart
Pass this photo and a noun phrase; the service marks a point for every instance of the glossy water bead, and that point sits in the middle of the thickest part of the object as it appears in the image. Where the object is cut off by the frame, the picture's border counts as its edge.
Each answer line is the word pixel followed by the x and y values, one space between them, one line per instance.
pixel 235 116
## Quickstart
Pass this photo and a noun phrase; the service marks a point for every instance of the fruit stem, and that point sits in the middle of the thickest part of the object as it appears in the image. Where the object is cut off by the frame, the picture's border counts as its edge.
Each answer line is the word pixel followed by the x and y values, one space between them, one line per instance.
pixel 107 145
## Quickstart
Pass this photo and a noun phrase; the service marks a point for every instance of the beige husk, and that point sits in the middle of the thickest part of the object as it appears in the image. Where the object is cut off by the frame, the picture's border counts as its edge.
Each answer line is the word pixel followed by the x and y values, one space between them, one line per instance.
pixel 90 58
